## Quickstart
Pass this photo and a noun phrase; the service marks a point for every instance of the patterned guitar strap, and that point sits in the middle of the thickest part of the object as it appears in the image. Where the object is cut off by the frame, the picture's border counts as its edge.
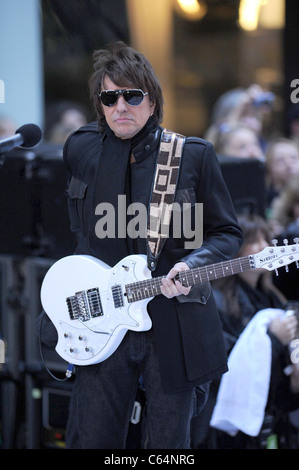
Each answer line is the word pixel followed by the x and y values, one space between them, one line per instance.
pixel 163 193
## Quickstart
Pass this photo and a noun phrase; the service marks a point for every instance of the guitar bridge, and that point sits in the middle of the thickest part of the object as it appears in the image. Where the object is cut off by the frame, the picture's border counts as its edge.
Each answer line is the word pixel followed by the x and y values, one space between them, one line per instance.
pixel 117 295
pixel 85 305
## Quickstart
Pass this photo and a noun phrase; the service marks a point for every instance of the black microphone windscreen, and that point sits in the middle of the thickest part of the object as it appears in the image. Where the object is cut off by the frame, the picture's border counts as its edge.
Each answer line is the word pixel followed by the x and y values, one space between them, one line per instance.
pixel 31 133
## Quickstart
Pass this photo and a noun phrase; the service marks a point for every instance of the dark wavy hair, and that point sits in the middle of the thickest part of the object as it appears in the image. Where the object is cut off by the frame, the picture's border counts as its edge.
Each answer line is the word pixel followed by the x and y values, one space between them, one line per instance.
pixel 126 68
pixel 252 225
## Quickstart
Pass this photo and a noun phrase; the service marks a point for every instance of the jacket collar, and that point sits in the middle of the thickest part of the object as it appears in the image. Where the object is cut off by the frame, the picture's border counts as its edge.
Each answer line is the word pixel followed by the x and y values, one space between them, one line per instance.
pixel 147 146
pixel 142 150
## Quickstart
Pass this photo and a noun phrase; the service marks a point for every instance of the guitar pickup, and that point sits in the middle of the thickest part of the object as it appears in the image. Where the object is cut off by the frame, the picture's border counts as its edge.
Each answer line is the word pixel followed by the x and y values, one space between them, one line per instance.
pixel 94 301
pixel 117 296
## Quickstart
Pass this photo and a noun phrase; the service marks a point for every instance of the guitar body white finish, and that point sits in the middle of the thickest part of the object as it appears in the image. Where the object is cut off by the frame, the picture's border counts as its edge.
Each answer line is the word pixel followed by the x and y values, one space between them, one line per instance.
pixel 85 342
pixel 93 306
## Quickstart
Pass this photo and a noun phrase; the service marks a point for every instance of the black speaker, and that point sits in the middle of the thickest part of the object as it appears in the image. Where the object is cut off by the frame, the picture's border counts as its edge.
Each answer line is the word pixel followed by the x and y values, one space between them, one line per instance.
pixel 11 333
pixel 55 409
pixel 42 408
pixel 245 180
pixel 56 238
pixel 33 205
pixel 18 203
pixel 34 271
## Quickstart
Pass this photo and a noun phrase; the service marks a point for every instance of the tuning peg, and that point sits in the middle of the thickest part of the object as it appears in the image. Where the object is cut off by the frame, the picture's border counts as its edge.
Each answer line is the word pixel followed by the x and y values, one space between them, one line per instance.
pixel 276 272
pixel 285 241
pixel 287 268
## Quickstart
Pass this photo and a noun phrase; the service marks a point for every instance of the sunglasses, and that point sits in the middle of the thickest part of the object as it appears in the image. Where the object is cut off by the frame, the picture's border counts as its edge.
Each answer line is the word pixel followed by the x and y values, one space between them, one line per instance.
pixel 133 97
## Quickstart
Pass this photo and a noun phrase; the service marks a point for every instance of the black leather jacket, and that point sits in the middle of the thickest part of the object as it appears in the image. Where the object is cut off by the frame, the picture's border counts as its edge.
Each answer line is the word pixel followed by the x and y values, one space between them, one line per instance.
pixel 188 333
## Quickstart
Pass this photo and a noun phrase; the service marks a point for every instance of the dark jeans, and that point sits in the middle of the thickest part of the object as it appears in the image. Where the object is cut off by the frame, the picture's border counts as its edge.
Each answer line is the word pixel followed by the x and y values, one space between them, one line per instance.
pixel 104 395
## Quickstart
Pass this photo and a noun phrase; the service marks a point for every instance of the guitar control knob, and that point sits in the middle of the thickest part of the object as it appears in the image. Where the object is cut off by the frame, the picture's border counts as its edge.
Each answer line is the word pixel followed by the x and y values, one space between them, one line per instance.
pixel 73 350
pixel 82 338
pixel 67 335
pixel 88 349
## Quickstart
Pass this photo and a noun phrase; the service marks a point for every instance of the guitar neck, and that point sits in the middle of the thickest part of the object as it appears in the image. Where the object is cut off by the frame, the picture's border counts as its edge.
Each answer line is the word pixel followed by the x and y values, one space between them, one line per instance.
pixel 151 287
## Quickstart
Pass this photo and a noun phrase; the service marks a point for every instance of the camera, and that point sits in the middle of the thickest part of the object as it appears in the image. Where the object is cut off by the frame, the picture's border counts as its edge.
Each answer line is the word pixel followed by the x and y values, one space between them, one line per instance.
pixel 264 99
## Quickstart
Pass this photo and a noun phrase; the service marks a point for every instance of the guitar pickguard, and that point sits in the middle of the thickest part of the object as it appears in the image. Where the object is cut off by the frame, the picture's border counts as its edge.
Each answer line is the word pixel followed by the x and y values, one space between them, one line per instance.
pixel 94 313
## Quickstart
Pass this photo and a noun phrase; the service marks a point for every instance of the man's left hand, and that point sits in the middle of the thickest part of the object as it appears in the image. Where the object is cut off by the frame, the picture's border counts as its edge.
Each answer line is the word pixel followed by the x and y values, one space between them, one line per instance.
pixel 171 288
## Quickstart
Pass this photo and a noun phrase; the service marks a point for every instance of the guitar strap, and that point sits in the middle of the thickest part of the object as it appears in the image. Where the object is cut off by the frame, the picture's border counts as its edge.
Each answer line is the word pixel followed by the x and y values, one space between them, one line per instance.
pixel 163 193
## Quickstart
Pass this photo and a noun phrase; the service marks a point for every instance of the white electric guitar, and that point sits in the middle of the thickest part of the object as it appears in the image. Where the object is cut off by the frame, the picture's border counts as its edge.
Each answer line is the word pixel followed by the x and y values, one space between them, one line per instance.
pixel 93 305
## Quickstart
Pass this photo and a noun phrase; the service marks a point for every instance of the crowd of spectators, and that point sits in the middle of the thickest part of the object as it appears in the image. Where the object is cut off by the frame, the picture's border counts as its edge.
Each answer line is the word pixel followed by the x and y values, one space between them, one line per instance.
pixel 256 403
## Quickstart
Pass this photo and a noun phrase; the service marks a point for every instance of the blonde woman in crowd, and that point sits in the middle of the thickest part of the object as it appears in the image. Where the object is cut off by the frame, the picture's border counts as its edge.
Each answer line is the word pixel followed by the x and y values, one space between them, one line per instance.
pixel 239 141
pixel 282 163
pixel 285 209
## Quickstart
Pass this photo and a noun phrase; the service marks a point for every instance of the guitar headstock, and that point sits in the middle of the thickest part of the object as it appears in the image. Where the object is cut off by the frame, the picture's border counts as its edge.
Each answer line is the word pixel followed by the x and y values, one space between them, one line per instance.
pixel 274 257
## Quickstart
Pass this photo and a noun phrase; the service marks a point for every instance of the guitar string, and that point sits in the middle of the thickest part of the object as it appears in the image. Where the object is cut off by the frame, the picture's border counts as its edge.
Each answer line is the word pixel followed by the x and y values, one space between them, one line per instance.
pixel 150 287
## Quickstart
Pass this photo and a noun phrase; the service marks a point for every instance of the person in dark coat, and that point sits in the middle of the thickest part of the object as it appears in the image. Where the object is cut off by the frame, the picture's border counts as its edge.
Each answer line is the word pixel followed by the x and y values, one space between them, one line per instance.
pixel 239 298
pixel 184 349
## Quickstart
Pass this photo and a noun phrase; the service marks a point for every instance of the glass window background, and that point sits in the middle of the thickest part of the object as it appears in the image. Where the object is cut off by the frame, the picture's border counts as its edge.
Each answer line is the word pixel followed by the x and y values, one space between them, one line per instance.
pixel 196 59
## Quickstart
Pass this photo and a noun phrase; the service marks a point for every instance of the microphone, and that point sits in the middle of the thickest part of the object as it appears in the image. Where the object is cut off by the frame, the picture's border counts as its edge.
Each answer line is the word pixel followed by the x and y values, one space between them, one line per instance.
pixel 26 136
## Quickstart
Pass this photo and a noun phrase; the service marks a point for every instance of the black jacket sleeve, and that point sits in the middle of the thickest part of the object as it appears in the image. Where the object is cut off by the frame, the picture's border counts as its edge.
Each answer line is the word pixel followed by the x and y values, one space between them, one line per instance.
pixel 222 236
